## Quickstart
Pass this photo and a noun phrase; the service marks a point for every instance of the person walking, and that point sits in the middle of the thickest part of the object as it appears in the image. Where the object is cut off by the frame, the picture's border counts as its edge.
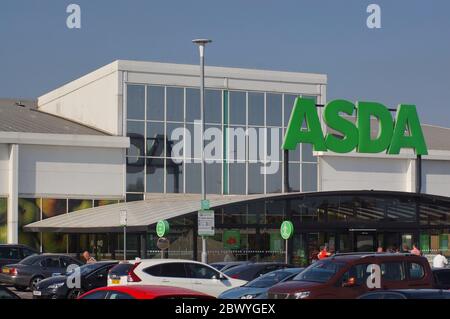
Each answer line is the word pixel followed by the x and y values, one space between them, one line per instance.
pixel 416 251
pixel 89 259
pixel 439 261
pixel 323 253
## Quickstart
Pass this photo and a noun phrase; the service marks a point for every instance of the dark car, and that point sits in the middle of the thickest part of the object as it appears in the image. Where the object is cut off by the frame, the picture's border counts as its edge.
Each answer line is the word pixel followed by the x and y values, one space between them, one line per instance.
pixel 407 294
pixel 30 271
pixel 5 293
pixel 249 272
pixel 226 265
pixel 441 278
pixel 92 276
pixel 346 276
pixel 11 254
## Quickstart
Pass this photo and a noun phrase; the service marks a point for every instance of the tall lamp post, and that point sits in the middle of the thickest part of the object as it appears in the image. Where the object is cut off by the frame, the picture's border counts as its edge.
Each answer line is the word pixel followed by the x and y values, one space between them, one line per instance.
pixel 201 45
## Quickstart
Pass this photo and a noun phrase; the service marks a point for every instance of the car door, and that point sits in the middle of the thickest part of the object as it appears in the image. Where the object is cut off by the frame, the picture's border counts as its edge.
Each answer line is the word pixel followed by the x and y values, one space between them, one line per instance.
pixel 353 282
pixel 50 266
pixel 416 275
pixel 207 280
pixel 167 274
pixel 98 278
pixel 393 275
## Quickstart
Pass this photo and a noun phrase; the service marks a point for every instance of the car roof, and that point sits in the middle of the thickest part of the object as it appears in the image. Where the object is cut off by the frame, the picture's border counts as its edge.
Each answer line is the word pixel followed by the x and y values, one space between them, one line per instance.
pixel 164 261
pixel 153 290
pixel 348 257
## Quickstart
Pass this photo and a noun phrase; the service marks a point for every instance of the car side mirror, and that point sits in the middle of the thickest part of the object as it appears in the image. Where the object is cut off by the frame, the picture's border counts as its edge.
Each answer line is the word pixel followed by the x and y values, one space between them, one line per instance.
pixel 351 282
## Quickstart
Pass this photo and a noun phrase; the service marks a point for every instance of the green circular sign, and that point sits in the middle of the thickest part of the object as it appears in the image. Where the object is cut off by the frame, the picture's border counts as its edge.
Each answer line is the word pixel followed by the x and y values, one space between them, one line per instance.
pixel 287 230
pixel 162 228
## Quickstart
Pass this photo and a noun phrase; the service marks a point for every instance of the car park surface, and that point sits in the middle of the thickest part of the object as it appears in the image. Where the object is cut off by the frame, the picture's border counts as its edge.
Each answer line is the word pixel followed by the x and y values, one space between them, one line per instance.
pixel 251 271
pixel 143 292
pixel 257 288
pixel 344 276
pixel 6 293
pixel 30 271
pixel 92 276
pixel 180 273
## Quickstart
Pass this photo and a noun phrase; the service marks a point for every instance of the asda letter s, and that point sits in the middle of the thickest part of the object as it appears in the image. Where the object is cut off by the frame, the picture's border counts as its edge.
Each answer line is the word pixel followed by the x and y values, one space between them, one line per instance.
pixel 393 135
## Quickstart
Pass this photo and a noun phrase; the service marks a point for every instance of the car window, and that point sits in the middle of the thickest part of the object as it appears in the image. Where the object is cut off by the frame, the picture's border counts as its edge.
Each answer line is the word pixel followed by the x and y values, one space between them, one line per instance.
pixel 416 271
pixel 392 271
pixel 9 253
pixel 201 272
pixel 320 271
pixel 269 280
pixel 65 262
pixel 119 295
pixel 174 270
pixel 27 252
pixel 50 262
pixel 268 269
pixel 359 272
pixel 96 295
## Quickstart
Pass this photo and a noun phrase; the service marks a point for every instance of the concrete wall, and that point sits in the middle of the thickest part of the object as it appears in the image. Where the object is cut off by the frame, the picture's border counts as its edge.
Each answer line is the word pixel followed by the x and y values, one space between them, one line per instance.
pixel 4 160
pixel 436 177
pixel 93 100
pixel 71 171
pixel 361 173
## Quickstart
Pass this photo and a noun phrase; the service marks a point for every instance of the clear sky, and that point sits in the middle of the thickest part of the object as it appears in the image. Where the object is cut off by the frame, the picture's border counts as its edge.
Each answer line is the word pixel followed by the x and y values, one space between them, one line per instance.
pixel 406 61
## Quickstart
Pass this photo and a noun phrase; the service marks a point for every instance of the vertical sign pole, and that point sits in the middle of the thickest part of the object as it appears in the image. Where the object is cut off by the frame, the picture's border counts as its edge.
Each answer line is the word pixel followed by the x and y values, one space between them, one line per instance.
pixel 286 254
pixel 124 242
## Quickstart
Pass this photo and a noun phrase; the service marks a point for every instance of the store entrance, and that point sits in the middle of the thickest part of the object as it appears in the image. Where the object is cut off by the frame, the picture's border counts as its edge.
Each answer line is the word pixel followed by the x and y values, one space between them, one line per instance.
pixel 365 241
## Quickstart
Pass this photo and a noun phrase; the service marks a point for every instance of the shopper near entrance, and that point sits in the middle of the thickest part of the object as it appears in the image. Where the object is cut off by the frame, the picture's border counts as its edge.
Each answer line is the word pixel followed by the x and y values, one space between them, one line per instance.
pixel 89 259
pixel 324 253
pixel 416 251
pixel 439 261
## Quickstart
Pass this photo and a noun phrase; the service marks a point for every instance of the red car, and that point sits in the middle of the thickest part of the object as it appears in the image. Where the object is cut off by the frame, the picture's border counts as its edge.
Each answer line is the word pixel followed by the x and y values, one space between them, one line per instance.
pixel 143 292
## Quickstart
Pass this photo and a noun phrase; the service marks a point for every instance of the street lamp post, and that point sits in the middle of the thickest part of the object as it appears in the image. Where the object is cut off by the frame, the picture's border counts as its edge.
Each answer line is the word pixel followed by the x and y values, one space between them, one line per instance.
pixel 201 45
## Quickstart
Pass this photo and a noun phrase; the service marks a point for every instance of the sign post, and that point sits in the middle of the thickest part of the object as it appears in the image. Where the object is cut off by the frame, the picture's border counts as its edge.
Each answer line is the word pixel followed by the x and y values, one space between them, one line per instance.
pixel 287 231
pixel 206 223
pixel 162 229
pixel 123 223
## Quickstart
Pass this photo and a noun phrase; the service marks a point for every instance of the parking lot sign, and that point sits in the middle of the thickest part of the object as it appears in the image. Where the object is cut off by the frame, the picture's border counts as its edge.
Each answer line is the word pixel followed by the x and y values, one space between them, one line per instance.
pixel 206 223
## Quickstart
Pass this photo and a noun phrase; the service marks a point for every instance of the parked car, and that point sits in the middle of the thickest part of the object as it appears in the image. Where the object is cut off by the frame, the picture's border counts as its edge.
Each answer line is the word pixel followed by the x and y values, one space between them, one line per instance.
pixel 92 276
pixel 30 271
pixel 144 292
pixel 257 288
pixel 345 276
pixel 225 265
pixel 5 293
pixel 118 275
pixel 441 278
pixel 407 294
pixel 180 273
pixel 249 272
pixel 11 254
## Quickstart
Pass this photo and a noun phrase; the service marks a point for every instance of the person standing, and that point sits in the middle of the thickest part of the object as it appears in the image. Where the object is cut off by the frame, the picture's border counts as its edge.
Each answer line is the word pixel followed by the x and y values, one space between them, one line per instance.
pixel 416 251
pixel 439 261
pixel 89 259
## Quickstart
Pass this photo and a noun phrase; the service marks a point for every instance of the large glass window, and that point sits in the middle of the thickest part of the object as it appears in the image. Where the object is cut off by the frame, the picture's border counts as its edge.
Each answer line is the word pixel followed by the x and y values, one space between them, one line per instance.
pixel 309 177
pixel 193 178
pixel 213 106
pixel 155 175
pixel 237 178
pixel 289 101
pixel 135 102
pixel 175 104
pixel 256 109
pixel 53 207
pixel 174 176
pixel 274 181
pixel 214 178
pixel 3 222
pixel 135 174
pixel 238 109
pixel 29 212
pixel 155 103
pixel 136 133
pixel 193 105
pixel 79 204
pixel 274 109
pixel 255 178
pixel 155 139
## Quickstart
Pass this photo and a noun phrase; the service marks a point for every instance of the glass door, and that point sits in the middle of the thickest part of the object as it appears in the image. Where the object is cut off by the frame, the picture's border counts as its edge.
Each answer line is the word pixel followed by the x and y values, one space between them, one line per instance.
pixel 365 242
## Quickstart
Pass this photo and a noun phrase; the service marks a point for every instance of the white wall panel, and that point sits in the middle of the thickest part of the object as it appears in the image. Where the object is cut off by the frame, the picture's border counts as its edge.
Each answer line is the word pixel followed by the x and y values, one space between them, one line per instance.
pixel 436 177
pixel 4 160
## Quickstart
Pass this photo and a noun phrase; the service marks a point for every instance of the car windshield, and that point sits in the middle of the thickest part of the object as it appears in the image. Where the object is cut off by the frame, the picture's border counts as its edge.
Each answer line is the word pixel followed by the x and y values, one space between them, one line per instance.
pixel 320 271
pixel 269 280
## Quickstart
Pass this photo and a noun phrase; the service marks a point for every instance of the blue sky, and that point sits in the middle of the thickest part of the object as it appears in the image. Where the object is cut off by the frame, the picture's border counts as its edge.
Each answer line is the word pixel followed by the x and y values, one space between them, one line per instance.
pixel 407 61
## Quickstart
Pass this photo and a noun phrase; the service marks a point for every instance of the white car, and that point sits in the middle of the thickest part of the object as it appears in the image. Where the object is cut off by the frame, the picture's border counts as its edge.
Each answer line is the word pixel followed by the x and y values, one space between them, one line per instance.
pixel 173 272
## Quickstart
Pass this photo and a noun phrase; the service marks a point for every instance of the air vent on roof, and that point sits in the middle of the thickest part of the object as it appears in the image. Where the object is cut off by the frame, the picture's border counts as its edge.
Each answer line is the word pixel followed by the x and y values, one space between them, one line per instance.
pixel 19 103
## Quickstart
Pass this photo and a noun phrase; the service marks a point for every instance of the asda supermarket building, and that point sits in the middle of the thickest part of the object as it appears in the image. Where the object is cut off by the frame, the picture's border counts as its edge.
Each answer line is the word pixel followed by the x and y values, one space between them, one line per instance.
pixel 126 138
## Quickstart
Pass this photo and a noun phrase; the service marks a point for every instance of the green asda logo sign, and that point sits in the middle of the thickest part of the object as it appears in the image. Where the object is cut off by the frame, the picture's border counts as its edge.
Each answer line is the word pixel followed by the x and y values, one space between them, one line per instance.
pixel 393 135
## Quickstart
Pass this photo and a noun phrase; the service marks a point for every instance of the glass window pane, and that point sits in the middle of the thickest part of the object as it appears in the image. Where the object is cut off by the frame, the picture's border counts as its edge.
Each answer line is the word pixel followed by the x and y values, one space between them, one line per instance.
pixel 256 108
pixel 213 178
pixel 29 212
pixel 193 105
pixel 307 153
pixel 274 109
pixel 274 181
pixel 213 106
pixel 294 177
pixel 155 103
pixel 53 207
pixel 237 178
pixel 136 102
pixel 134 197
pixel 309 177
pixel 54 243
pixel 79 204
pixel 174 177
pixel 175 104
pixel 289 101
pixel 105 202
pixel 135 174
pixel 178 142
pixel 274 138
pixel 3 222
pixel 155 175
pixel 155 139
pixel 238 112
pixel 255 178
pixel 136 133
pixel 193 141
pixel 193 178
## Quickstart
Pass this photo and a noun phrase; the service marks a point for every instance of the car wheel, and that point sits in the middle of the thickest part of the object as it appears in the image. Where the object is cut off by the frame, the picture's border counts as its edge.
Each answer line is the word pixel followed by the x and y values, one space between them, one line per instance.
pixel 34 282
pixel 20 288
pixel 74 293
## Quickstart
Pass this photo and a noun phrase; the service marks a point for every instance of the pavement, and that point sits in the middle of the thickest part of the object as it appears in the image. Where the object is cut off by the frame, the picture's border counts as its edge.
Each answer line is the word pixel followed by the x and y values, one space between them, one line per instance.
pixel 22 294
